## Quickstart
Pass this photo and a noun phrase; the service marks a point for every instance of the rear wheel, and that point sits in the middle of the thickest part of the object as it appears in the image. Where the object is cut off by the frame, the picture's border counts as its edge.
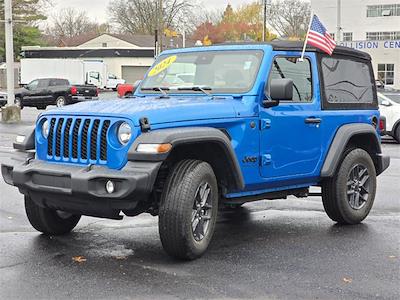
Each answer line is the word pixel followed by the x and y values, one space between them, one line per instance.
pixel 61 101
pixel 348 196
pixel 49 221
pixel 188 210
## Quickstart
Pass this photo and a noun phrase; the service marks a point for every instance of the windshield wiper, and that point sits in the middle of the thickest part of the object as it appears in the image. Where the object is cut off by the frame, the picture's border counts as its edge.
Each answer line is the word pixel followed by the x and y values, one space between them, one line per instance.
pixel 204 89
pixel 157 89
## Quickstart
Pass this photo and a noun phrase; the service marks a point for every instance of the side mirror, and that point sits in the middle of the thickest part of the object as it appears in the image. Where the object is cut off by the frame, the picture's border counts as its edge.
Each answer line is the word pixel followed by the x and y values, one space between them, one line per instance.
pixel 386 103
pixel 279 89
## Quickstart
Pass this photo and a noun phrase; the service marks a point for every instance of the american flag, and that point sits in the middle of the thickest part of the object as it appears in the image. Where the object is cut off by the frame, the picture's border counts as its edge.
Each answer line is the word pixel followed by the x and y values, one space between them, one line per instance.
pixel 319 37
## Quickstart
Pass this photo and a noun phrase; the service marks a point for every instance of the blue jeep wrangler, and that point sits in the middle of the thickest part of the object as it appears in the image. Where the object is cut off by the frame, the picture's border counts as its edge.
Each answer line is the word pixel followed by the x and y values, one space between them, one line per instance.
pixel 209 127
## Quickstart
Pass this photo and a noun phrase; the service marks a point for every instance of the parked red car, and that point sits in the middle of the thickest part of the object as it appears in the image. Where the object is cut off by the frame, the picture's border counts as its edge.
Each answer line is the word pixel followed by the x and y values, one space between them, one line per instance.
pixel 127 90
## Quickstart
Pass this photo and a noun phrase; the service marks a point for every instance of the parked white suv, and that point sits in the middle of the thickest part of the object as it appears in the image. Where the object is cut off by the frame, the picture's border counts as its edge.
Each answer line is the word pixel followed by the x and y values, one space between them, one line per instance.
pixel 391 111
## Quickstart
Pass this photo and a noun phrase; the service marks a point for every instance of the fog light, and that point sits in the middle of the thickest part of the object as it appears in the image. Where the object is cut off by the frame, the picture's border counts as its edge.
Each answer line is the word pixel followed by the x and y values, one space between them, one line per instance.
pixel 110 187
pixel 20 139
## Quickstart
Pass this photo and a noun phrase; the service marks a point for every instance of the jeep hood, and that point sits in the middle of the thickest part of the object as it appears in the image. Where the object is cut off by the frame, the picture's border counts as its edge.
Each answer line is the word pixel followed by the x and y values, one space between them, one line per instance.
pixel 164 110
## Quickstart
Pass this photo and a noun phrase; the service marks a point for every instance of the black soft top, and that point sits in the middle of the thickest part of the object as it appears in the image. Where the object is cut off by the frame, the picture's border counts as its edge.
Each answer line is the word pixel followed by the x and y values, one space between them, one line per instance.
pixel 298 46
pixel 284 45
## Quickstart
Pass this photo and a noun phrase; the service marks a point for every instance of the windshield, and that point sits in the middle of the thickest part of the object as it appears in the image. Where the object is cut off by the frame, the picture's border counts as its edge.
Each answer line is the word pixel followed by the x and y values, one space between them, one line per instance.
pixel 215 71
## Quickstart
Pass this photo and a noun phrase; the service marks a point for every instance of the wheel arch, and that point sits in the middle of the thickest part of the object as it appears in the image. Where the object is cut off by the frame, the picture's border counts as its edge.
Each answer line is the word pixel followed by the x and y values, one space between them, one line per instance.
pixel 203 143
pixel 357 135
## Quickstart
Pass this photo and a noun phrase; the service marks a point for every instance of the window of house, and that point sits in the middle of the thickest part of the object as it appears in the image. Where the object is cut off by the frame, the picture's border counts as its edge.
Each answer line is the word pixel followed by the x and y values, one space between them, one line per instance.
pixel 104 45
pixel 386 73
pixel 386 10
pixel 383 35
pixel 347 83
pixel 347 36
pixel 333 35
pixel 299 72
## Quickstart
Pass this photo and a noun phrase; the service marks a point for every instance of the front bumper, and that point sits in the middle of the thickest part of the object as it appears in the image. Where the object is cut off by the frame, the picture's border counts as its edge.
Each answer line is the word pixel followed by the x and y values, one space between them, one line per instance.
pixel 81 189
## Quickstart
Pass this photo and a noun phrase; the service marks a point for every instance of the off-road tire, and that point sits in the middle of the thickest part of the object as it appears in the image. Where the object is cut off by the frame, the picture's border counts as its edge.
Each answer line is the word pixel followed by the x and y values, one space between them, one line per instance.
pixel 177 206
pixel 49 221
pixel 335 190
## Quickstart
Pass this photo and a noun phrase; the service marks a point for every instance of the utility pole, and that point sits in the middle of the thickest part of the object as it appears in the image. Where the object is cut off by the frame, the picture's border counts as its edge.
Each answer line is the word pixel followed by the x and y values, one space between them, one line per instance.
pixel 339 21
pixel 265 4
pixel 10 113
pixel 8 22
pixel 160 25
pixel 264 32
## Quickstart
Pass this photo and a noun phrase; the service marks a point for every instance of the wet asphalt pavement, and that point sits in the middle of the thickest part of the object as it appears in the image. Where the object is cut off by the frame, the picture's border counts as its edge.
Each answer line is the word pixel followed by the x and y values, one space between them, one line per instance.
pixel 282 249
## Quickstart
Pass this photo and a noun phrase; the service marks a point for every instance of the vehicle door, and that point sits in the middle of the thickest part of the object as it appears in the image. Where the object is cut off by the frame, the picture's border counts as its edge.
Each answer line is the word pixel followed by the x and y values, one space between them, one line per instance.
pixel 44 93
pixel 31 93
pixel 386 106
pixel 291 132
pixel 94 78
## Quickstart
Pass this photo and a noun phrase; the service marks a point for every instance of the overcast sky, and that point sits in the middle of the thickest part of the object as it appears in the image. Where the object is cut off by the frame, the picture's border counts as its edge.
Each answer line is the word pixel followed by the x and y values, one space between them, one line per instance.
pixel 97 9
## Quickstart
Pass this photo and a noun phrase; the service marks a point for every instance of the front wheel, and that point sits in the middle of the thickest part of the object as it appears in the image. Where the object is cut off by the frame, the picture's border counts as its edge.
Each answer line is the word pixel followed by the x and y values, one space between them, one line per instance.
pixel 18 102
pixel 49 221
pixel 188 210
pixel 348 196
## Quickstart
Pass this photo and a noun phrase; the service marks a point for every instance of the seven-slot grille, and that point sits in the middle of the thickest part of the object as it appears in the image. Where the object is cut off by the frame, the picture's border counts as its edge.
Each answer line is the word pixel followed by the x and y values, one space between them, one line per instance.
pixel 78 139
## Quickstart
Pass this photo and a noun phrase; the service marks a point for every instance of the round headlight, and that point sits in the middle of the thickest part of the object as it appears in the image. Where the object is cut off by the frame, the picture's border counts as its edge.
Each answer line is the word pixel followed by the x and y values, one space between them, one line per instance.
pixel 124 133
pixel 45 129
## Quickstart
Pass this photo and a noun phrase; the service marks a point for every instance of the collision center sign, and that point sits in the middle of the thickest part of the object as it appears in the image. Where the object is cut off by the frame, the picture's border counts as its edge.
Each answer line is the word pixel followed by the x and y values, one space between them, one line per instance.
pixel 392 44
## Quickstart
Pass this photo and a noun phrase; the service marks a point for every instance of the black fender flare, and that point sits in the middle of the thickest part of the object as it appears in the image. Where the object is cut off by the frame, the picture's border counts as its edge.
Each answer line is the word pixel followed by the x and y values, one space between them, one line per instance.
pixel 188 135
pixel 342 137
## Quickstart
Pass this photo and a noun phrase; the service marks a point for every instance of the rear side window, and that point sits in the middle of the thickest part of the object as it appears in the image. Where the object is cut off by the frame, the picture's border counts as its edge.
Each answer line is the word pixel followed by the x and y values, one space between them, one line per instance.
pixel 347 84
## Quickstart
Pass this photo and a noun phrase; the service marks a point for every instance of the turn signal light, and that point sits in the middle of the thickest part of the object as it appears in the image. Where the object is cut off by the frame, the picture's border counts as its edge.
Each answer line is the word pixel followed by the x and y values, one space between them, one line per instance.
pixel 154 148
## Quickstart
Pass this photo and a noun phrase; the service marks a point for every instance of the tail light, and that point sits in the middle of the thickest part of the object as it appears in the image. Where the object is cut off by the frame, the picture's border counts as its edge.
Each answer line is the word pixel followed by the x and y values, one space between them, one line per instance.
pixel 97 92
pixel 382 125
pixel 74 90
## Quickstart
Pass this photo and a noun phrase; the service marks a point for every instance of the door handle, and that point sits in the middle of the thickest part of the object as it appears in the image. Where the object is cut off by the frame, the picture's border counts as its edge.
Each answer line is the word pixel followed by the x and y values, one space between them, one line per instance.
pixel 313 120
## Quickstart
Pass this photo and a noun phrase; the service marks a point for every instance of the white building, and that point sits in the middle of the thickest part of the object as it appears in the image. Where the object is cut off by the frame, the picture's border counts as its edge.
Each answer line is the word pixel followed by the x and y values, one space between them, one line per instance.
pixel 127 56
pixel 372 26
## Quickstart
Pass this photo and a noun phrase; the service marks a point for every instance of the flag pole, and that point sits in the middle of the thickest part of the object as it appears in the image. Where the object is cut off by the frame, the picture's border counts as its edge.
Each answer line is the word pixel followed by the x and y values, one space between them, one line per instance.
pixel 306 40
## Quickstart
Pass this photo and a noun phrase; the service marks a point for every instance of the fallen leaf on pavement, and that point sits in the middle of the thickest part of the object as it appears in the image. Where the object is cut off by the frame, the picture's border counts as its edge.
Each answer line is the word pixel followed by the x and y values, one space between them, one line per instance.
pixel 121 257
pixel 347 280
pixel 79 259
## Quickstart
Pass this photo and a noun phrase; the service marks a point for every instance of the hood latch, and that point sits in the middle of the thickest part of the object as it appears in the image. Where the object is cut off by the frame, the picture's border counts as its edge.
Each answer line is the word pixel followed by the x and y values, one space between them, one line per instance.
pixel 145 124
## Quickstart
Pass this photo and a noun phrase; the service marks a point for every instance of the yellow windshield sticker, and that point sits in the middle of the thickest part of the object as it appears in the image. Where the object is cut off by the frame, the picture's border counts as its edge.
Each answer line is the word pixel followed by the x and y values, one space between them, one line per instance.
pixel 161 66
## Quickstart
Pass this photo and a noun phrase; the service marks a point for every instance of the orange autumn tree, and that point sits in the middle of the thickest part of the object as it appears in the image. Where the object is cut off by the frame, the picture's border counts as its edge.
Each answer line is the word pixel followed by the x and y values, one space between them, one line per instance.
pixel 244 23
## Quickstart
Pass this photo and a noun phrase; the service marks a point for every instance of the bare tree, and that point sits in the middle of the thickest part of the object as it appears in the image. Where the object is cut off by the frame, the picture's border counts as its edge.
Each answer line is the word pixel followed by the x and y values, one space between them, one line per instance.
pixel 290 17
pixel 141 16
pixel 69 22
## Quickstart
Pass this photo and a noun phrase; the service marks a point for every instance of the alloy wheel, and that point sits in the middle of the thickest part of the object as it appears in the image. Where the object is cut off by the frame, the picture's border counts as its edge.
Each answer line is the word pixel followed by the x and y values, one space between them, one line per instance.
pixel 201 212
pixel 358 186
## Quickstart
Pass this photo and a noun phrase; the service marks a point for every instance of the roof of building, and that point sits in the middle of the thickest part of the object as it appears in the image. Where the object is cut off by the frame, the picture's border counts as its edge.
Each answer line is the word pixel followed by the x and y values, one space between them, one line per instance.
pixel 139 40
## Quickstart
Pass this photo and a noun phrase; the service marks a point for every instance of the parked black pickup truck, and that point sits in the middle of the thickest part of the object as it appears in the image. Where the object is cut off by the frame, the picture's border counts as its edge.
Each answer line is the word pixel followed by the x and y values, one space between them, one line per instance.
pixel 53 91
